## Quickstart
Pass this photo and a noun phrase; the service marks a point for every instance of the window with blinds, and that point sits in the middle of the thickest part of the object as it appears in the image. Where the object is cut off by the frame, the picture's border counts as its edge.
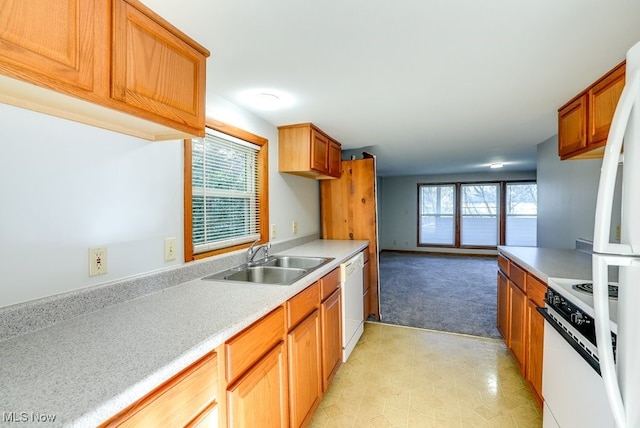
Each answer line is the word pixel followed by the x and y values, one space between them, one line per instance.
pixel 225 194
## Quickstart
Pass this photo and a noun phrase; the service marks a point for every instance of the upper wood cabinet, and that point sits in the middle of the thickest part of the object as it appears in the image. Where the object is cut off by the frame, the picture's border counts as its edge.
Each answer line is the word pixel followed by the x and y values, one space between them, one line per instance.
pixel 305 150
pixel 112 64
pixel 584 121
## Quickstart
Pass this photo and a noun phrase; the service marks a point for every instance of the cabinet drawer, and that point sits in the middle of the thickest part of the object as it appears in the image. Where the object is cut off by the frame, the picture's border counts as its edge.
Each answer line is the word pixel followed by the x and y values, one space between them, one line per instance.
pixel 503 264
pixel 536 290
pixel 329 283
pixel 518 276
pixel 244 349
pixel 176 402
pixel 302 304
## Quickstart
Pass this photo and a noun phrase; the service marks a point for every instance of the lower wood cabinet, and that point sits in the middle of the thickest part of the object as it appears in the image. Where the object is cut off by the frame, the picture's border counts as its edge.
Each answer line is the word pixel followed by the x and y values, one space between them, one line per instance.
pixel 331 320
pixel 188 398
pixel 521 326
pixel 272 374
pixel 535 346
pixel 517 323
pixel 256 374
pixel 304 348
pixel 259 397
pixel 305 371
pixel 503 306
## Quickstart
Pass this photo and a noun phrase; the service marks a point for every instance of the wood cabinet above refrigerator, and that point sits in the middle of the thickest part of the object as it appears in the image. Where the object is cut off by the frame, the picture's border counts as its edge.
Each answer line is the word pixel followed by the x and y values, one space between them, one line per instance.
pixel 584 121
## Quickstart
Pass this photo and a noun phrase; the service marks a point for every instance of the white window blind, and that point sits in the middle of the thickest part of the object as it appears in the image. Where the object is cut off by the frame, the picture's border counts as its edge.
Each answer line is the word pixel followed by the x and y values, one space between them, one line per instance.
pixel 225 203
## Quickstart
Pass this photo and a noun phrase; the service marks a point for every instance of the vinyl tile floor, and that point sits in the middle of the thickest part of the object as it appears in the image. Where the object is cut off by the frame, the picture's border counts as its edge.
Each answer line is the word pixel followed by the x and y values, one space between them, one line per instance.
pixel 407 377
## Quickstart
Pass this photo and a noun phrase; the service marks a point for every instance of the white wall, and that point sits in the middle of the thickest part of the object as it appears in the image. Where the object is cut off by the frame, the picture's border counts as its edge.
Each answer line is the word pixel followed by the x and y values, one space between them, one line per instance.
pixel 65 187
pixel 398 206
pixel 567 192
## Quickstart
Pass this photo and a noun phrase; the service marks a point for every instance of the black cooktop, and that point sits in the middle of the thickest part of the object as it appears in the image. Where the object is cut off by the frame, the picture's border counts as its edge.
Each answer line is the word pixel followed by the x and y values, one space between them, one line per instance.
pixel 587 288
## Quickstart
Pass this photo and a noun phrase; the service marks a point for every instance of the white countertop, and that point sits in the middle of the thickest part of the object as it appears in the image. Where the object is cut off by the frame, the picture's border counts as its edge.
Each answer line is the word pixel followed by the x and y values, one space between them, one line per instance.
pixel 551 262
pixel 89 368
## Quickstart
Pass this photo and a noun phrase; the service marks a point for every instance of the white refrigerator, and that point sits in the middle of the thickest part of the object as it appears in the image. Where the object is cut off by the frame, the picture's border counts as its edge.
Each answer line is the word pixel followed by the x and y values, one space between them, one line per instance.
pixel 620 373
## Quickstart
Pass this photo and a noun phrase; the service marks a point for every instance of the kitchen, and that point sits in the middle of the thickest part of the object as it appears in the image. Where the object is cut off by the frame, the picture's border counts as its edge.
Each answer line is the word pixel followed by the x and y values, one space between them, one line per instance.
pixel 87 187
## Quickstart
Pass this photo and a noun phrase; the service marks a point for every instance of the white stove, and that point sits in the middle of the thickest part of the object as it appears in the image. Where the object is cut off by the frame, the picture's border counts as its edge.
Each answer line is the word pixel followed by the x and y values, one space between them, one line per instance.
pixel 570 358
pixel 571 289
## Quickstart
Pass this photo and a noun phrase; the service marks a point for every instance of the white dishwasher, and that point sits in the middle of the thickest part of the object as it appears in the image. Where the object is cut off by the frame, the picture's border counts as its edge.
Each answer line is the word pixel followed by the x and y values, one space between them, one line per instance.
pixel 352 304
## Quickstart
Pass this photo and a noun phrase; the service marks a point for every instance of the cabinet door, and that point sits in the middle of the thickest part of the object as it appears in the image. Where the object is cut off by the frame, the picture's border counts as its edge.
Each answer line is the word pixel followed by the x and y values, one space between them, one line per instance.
pixel 331 317
pixel 319 152
pixel 535 346
pixel 155 71
pixel 305 381
pixel 52 43
pixel 335 159
pixel 366 285
pixel 572 126
pixel 259 398
pixel 517 323
pixel 503 307
pixel 190 393
pixel 603 99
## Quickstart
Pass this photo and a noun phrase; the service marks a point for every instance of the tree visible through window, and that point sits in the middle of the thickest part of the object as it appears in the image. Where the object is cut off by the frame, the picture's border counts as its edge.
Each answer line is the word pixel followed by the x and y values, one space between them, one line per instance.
pixel 225 195
pixel 479 207
pixel 437 214
pixel 522 214
pixel 477 214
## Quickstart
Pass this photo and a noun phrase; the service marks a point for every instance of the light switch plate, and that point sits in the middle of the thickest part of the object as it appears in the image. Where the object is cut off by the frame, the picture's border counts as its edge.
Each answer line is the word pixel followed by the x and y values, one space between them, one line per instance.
pixel 169 249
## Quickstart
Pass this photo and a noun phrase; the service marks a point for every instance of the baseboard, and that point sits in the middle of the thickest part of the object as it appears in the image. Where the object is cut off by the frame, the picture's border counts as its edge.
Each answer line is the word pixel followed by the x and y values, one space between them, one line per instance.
pixel 462 252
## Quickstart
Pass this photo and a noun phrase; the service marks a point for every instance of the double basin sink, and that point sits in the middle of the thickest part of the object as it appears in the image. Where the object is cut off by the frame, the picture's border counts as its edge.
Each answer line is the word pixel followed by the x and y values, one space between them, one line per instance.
pixel 275 270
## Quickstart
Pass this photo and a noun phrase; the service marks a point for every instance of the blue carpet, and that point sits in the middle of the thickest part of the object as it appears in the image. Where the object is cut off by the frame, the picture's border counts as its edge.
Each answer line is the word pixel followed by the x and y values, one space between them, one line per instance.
pixel 449 293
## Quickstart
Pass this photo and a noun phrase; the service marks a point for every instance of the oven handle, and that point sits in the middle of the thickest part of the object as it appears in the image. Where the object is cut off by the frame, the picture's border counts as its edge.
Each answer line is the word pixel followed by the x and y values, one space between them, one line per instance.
pixel 570 340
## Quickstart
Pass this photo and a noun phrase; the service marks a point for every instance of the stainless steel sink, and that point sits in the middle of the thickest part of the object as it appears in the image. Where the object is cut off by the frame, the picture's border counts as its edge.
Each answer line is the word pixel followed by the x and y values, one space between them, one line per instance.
pixel 295 261
pixel 274 270
pixel 266 275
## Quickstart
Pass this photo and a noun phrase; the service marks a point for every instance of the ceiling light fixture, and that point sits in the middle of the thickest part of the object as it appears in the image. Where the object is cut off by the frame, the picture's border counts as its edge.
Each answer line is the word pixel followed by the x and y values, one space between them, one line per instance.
pixel 266 101
pixel 496 165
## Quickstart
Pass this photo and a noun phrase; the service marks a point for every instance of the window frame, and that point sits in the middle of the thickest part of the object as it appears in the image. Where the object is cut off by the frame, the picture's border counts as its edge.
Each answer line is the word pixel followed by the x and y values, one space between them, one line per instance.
pixel 263 189
pixel 502 190
pixel 453 214
pixel 499 209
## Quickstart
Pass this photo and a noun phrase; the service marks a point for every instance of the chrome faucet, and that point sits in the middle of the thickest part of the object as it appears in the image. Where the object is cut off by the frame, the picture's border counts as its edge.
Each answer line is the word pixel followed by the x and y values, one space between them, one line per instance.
pixel 253 250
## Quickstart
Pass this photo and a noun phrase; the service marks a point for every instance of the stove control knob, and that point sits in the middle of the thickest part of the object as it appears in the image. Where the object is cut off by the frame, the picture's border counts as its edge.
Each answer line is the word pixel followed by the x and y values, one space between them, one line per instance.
pixel 577 318
pixel 556 300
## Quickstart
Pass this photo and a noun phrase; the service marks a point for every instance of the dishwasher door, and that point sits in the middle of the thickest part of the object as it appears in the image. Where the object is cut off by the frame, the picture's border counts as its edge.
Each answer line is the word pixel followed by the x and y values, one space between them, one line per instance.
pixel 351 276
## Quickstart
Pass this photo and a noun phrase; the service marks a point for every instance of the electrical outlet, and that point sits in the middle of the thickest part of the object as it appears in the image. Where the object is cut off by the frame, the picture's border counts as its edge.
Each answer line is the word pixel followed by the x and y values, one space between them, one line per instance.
pixel 274 231
pixel 294 227
pixel 97 261
pixel 169 249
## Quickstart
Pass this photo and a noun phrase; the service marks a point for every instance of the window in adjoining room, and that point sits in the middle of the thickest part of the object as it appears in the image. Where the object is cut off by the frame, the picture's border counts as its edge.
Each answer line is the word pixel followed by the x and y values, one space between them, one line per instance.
pixel 477 215
pixel 522 214
pixel 437 214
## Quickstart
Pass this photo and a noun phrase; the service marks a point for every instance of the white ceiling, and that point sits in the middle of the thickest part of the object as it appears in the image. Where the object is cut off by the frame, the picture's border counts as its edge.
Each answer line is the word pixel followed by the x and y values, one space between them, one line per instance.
pixel 429 86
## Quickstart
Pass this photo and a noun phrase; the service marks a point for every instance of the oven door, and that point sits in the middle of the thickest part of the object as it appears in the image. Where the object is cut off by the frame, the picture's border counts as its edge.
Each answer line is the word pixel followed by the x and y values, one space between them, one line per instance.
pixel 573 391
